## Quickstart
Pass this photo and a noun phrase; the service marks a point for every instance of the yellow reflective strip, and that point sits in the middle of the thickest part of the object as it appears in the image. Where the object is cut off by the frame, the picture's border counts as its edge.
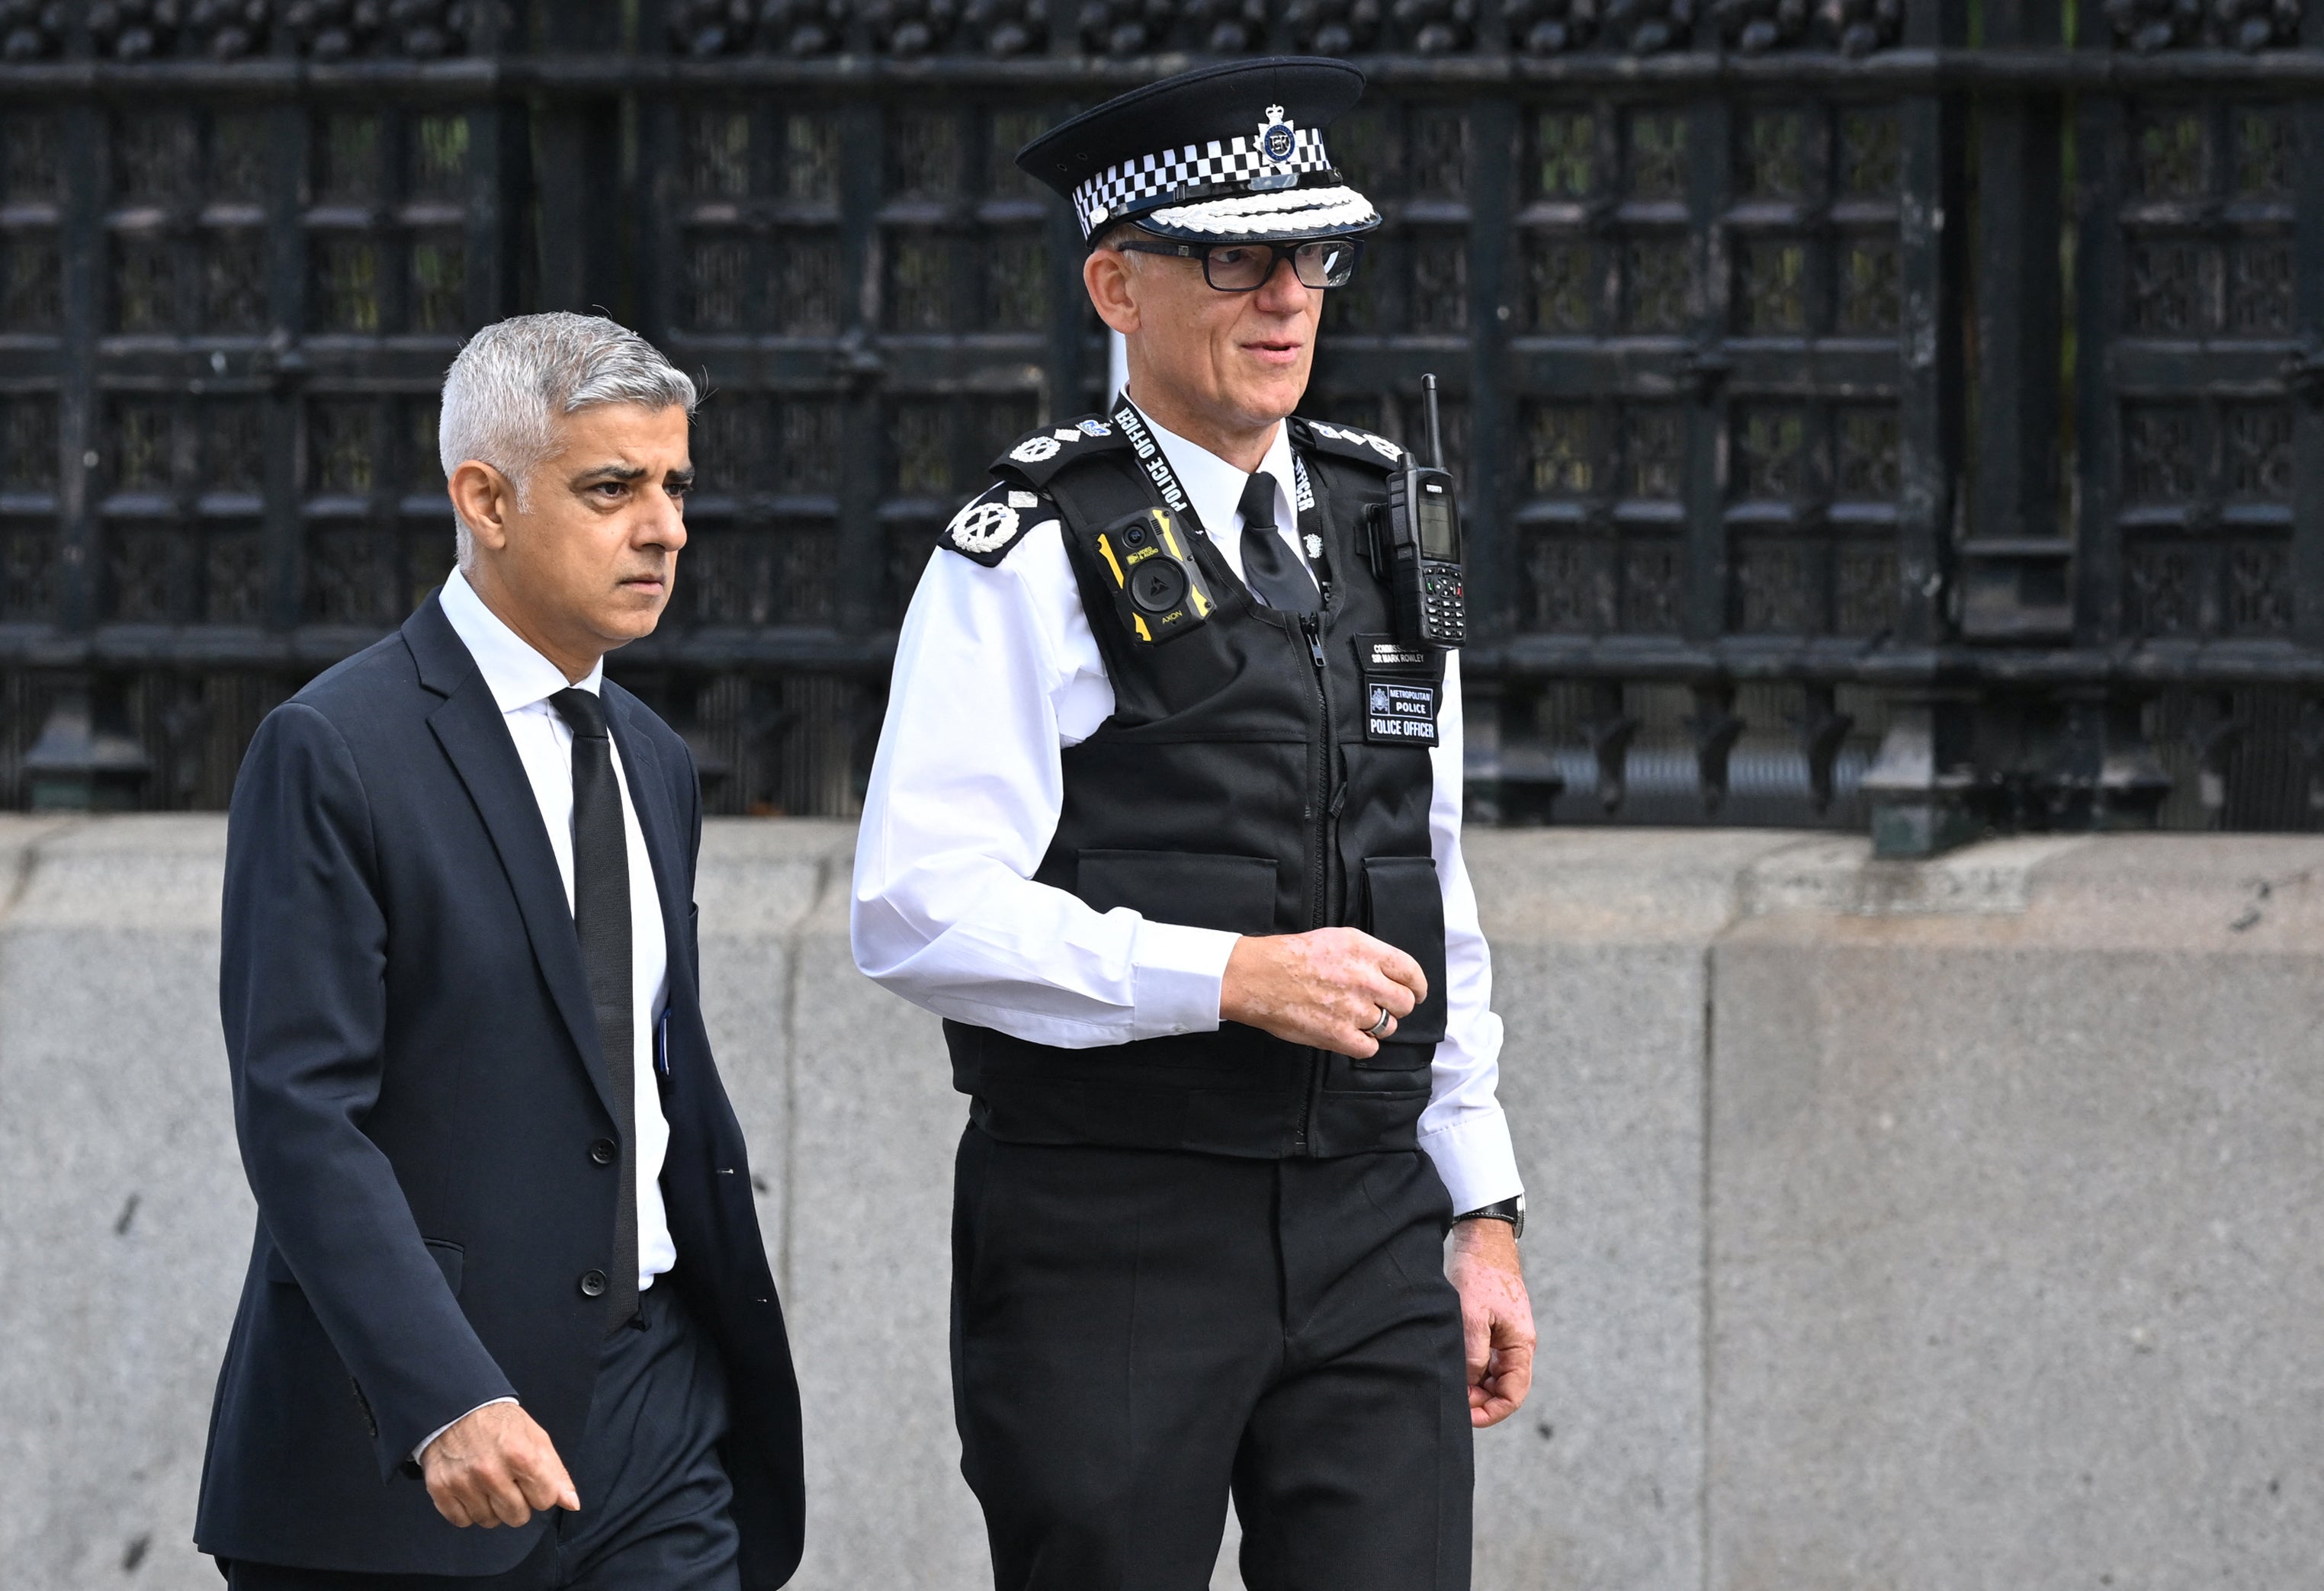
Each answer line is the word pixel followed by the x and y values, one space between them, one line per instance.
pixel 1201 603
pixel 1118 579
pixel 1143 633
pixel 1170 537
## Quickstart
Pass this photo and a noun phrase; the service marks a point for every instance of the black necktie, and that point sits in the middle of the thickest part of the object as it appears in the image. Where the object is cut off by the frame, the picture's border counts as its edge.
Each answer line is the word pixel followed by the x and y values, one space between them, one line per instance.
pixel 1269 567
pixel 600 917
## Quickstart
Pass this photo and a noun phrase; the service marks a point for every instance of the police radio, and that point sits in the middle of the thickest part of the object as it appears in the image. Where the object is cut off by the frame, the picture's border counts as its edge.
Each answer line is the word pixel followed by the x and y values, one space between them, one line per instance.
pixel 1417 544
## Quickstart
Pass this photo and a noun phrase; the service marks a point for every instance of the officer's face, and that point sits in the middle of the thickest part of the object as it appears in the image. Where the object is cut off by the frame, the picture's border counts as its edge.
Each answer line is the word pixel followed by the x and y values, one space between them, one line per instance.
pixel 1240 360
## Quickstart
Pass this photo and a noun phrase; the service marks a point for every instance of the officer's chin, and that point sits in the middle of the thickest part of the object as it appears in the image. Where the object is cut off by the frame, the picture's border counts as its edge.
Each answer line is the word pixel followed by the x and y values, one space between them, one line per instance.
pixel 1273 394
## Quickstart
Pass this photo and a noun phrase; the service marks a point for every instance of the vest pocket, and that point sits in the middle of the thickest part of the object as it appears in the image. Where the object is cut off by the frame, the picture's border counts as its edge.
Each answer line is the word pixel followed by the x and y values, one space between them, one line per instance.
pixel 1233 893
pixel 1405 904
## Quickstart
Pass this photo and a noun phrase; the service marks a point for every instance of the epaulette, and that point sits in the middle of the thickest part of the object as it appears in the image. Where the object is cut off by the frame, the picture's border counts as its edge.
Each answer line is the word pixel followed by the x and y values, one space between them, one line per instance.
pixel 1039 454
pixel 995 520
pixel 1346 442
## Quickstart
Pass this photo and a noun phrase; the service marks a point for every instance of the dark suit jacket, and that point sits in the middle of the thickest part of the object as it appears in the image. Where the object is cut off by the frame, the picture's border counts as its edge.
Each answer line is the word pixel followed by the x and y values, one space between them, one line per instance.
pixel 417 1088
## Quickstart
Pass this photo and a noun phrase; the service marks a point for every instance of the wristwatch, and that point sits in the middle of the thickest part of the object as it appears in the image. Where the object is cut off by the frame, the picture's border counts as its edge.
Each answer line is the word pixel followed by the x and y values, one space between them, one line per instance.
pixel 1511 1211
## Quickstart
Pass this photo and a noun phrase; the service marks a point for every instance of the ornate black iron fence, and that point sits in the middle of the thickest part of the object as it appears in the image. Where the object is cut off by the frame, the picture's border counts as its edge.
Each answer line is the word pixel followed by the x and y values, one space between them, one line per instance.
pixel 1888 412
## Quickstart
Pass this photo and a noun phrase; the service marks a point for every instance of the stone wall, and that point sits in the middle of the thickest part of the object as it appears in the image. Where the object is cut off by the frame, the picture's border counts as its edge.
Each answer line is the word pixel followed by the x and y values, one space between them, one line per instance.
pixel 1897 1228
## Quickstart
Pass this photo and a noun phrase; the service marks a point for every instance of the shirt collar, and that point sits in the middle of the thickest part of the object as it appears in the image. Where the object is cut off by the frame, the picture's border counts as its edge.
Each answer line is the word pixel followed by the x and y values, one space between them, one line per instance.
pixel 516 674
pixel 1214 485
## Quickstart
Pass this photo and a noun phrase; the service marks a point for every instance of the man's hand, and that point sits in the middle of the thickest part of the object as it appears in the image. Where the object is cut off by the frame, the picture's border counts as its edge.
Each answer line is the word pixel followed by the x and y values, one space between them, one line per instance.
pixel 494 1468
pixel 1496 1319
pixel 1326 988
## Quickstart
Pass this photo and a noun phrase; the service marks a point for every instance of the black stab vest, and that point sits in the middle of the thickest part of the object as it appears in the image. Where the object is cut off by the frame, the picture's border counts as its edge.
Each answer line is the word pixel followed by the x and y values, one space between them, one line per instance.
pixel 1247 781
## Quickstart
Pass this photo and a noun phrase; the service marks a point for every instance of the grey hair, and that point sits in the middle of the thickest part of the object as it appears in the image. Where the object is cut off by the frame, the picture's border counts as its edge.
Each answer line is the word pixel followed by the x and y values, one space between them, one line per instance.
pixel 1125 232
pixel 514 380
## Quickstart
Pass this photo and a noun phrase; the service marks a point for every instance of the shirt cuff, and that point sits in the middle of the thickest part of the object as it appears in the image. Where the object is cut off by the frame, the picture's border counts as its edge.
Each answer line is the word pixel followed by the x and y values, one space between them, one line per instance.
pixel 448 1424
pixel 1179 971
pixel 1474 1157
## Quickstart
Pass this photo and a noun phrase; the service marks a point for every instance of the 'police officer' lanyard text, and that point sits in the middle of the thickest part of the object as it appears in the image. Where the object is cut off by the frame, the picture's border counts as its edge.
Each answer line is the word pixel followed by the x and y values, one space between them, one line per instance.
pixel 1157 465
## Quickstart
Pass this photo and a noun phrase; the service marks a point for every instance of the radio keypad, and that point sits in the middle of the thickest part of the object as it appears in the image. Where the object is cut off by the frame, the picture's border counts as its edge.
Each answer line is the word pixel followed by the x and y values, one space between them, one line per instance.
pixel 1442 609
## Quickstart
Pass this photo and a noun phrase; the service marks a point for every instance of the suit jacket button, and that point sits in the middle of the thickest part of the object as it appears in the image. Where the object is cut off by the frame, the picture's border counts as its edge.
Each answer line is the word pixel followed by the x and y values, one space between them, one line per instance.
pixel 593 1284
pixel 604 1152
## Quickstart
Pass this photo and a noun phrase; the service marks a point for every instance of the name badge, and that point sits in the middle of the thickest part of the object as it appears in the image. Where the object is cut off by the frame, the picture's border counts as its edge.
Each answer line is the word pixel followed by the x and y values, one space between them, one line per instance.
pixel 1376 653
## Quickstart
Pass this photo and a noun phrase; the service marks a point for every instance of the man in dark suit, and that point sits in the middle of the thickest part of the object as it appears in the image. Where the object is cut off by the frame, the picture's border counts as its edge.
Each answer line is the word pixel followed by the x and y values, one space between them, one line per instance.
pixel 507 1272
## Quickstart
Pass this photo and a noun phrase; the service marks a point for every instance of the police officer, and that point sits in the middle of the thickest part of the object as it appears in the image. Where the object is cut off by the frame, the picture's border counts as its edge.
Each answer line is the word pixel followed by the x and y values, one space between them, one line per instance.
pixel 1165 823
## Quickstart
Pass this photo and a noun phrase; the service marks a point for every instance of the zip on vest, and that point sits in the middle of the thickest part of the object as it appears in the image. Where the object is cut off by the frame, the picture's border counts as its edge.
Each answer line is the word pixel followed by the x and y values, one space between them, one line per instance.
pixel 1155 465
pixel 1319 811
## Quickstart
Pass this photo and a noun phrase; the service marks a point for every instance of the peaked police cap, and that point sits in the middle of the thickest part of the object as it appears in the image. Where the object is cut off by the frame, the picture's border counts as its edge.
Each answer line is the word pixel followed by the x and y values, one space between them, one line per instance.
pixel 1229 154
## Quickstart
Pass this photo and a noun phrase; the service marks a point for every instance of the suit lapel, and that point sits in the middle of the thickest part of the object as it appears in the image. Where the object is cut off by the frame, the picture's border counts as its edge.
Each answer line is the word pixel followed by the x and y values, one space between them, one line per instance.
pixel 475 738
pixel 649 793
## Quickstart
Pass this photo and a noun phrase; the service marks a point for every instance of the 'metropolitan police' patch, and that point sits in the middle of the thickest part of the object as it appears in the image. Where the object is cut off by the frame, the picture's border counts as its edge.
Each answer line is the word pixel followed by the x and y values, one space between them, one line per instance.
pixel 996 522
pixel 1399 714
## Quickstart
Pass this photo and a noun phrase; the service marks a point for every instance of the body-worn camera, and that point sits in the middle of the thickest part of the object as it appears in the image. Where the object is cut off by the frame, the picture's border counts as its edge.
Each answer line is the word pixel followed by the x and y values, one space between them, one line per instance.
pixel 1157 591
pixel 1416 545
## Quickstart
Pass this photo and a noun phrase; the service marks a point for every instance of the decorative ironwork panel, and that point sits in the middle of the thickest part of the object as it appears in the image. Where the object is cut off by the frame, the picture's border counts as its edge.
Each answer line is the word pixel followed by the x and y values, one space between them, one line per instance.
pixel 868 286
pixel 1413 307
pixel 1750 358
pixel 378 536
pixel 31 319
pixel 758 296
pixel 388 199
pixel 1785 362
pixel 1602 550
pixel 2189 495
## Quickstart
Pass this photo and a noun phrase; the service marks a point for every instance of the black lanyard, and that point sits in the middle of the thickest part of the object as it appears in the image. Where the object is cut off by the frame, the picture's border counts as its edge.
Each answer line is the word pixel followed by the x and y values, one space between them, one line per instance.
pixel 1156 464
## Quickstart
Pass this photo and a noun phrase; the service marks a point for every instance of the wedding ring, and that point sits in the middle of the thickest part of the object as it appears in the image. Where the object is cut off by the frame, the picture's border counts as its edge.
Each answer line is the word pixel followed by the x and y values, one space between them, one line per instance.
pixel 1379 1029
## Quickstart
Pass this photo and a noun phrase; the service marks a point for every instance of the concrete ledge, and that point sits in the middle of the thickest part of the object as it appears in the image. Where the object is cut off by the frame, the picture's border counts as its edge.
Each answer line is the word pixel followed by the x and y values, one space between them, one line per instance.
pixel 126 1220
pixel 2014 1266
pixel 756 882
pixel 1902 1225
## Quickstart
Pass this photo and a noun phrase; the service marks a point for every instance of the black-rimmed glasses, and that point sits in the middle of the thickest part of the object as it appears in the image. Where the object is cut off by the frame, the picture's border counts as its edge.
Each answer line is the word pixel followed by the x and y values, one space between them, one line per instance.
pixel 1240 268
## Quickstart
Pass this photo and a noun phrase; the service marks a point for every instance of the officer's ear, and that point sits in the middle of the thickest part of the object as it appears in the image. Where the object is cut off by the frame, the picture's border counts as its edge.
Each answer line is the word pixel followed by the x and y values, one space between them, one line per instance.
pixel 1111 278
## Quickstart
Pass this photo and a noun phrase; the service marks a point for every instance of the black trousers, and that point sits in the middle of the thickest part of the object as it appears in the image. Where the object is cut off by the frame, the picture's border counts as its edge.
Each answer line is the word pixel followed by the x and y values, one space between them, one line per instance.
pixel 1138 1333
pixel 656 1506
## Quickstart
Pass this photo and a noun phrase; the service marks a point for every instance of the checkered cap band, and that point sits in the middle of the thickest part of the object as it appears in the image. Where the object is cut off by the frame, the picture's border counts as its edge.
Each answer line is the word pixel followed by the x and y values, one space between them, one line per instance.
pixel 1196 172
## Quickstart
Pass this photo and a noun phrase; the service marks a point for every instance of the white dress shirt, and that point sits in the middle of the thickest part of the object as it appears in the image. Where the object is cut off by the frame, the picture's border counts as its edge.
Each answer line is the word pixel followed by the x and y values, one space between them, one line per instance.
pixel 996 673
pixel 521 680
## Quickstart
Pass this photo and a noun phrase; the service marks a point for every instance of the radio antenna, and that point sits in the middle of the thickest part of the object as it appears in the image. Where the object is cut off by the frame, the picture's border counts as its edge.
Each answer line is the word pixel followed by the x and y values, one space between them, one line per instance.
pixel 1435 430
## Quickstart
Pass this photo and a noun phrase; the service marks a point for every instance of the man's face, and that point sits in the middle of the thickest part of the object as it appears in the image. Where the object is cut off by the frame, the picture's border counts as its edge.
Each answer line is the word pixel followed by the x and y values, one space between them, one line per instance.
pixel 1242 358
pixel 591 554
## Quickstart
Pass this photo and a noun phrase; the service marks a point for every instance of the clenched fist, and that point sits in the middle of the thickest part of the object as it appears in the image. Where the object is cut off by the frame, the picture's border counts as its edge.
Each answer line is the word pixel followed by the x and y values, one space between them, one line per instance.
pixel 1496 1319
pixel 1324 988
pixel 494 1468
